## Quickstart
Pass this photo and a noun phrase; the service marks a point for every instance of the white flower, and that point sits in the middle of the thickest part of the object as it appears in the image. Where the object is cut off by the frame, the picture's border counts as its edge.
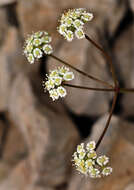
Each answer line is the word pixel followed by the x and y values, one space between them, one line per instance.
pixel 37 53
pixel 78 24
pixel 72 22
pixel 89 163
pixel 68 21
pixel 102 160
pixel 94 173
pixel 58 80
pixel 29 48
pixel 30 58
pixel 63 70
pixel 61 91
pixel 62 29
pixel 92 154
pixel 39 34
pixel 37 44
pixel 55 79
pixel 69 35
pixel 91 145
pixel 54 73
pixel 54 94
pixel 50 84
pixel 87 16
pixel 79 34
pixel 46 39
pixel 47 49
pixel 107 171
pixel 68 76
pixel 80 147
pixel 82 154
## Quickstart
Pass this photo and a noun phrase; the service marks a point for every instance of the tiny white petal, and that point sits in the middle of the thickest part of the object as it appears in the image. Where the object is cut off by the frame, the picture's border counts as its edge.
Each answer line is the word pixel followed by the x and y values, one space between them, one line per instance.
pixel 68 76
pixel 79 34
pixel 37 53
pixel 61 91
pixel 47 49
pixel 30 58
pixel 107 171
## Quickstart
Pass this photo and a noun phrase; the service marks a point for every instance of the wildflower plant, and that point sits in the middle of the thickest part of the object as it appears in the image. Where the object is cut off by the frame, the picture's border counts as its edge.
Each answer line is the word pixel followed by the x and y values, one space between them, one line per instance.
pixel 88 163
pixel 72 23
pixel 55 80
pixel 38 44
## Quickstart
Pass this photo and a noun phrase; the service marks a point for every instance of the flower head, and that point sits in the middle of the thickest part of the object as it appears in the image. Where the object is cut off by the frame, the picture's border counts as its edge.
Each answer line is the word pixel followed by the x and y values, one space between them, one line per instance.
pixel 54 82
pixel 86 161
pixel 36 45
pixel 72 23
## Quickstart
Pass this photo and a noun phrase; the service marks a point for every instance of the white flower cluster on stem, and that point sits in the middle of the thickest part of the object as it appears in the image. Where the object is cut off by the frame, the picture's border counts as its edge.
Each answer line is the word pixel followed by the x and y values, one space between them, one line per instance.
pixel 72 23
pixel 36 45
pixel 54 82
pixel 87 162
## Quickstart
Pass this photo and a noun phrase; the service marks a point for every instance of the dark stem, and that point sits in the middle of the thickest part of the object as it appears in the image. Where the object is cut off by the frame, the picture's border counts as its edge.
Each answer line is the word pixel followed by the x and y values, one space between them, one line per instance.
pixel 108 121
pixel 81 72
pixel 126 90
pixel 89 88
pixel 107 57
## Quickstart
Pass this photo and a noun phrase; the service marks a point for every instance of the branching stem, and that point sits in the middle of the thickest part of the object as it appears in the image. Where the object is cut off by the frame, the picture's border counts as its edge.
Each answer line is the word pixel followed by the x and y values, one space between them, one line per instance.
pixel 82 72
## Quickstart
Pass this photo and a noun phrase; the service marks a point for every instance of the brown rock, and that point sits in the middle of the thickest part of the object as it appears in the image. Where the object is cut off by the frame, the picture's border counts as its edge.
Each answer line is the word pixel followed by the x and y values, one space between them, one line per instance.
pixel 127 130
pixel 130 186
pixel 132 5
pixel 11 60
pixel 124 49
pixel 4 26
pixel 19 179
pixel 49 132
pixel 15 148
pixel 6 2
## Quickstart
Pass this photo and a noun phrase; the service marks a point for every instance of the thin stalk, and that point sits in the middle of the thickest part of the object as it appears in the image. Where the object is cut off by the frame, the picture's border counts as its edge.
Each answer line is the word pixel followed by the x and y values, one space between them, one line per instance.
pixel 81 72
pixel 107 57
pixel 126 90
pixel 90 88
pixel 108 121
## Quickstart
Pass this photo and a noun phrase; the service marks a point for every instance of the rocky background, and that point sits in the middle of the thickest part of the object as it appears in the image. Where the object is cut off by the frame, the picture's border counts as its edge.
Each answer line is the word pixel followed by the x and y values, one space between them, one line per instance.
pixel 38 136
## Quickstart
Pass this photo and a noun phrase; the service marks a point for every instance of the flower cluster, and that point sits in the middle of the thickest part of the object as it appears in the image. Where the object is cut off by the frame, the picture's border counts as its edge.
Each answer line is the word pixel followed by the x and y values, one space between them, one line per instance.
pixel 88 163
pixel 72 22
pixel 55 80
pixel 36 45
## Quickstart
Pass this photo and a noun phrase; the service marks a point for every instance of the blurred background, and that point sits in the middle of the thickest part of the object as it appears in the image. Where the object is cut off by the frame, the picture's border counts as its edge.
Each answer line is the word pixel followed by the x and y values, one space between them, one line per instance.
pixel 38 136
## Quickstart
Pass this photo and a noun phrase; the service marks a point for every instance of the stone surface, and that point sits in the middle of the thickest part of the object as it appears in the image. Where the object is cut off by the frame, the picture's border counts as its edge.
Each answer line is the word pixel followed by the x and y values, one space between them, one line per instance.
pixel 3 27
pixel 129 186
pixel 124 49
pixel 11 61
pixel 49 132
pixel 15 148
pixel 132 5
pixel 19 179
pixel 6 2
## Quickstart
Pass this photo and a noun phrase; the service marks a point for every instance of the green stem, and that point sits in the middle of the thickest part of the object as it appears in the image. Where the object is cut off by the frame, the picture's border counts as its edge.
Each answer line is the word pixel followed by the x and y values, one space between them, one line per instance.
pixel 90 88
pixel 107 57
pixel 81 72
pixel 108 121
